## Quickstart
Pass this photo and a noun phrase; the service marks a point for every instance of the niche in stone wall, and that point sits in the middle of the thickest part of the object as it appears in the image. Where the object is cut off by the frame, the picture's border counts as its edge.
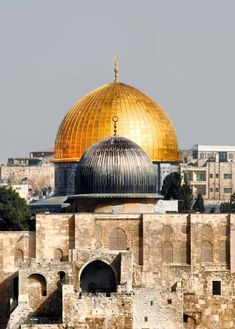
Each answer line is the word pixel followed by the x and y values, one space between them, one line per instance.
pixel 207 252
pixel 58 255
pixel 98 277
pixel 37 285
pixel 117 240
pixel 167 252
pixel 18 257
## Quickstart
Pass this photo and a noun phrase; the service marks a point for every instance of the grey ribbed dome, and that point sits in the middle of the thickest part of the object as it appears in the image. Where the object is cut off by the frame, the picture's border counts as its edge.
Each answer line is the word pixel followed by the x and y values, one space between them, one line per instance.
pixel 115 165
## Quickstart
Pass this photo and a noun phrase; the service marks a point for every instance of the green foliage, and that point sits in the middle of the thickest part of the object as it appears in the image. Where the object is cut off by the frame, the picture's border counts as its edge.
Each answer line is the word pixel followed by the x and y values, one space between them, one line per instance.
pixel 14 212
pixel 199 204
pixel 173 189
pixel 228 207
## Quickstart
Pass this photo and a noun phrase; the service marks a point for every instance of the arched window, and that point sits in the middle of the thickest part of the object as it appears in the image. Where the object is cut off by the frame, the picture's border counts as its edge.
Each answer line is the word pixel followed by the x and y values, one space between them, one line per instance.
pixel 58 254
pixel 37 284
pixel 19 257
pixel 207 252
pixel 223 251
pixel 117 239
pixel 167 252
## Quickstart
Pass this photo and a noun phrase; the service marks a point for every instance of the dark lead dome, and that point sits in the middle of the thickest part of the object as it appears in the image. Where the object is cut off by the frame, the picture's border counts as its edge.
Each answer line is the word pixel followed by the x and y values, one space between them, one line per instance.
pixel 115 165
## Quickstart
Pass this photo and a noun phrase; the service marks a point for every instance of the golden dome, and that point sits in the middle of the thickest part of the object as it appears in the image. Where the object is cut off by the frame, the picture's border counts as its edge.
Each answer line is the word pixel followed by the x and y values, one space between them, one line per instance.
pixel 140 119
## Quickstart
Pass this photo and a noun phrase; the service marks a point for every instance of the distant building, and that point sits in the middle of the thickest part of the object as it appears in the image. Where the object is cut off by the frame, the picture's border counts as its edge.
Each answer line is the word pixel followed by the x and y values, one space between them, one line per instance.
pixel 36 170
pixel 210 171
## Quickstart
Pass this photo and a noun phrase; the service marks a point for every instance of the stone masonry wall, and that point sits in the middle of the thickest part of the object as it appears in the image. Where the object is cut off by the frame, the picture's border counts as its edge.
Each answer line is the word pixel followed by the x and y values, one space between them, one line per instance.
pixel 54 232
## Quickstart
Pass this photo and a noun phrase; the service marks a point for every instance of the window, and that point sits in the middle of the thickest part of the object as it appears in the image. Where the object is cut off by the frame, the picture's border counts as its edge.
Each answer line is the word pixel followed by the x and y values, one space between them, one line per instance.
pixel 216 287
pixel 117 240
pixel 211 189
pixel 217 175
pixel 200 176
pixel 227 190
pixel 207 252
pixel 167 252
pixel 217 189
pixel 222 251
pixel 211 175
pixel 227 176
pixel 200 189
pixel 188 176
pixel 222 156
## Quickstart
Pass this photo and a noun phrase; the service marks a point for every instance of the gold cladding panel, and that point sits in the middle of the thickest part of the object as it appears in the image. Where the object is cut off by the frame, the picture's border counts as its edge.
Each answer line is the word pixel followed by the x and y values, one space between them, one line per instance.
pixel 140 119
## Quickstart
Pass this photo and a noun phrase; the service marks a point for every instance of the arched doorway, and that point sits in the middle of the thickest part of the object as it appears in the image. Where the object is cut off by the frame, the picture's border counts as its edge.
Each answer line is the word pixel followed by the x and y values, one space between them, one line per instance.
pixel 98 277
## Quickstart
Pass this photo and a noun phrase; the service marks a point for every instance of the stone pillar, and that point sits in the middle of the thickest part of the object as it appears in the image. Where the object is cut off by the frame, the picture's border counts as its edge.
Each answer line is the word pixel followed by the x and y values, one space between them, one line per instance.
pixel 232 243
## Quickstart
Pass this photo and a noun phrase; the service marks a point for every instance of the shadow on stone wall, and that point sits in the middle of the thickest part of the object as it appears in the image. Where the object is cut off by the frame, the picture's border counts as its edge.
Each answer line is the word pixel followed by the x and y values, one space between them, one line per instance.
pixel 6 292
pixel 50 311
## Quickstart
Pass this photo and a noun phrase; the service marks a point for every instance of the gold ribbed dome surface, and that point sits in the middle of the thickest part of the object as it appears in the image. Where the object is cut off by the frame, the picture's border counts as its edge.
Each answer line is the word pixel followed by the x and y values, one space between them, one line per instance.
pixel 140 119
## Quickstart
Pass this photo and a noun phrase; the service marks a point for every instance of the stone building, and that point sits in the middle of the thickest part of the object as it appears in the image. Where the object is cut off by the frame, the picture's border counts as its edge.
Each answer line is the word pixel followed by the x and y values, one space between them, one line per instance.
pixel 210 171
pixel 37 177
pixel 113 262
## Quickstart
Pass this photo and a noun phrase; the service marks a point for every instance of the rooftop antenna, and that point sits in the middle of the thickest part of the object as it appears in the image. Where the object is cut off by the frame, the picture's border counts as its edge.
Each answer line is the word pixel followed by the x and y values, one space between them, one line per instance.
pixel 115 120
pixel 116 68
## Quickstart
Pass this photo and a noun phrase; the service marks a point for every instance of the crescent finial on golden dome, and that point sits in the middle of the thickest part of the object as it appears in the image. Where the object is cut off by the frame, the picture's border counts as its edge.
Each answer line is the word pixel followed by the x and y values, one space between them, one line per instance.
pixel 116 68
pixel 115 120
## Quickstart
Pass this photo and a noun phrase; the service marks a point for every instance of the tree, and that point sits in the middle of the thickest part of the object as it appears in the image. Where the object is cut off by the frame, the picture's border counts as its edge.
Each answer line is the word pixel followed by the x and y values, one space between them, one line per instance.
pixel 228 207
pixel 199 204
pixel 173 188
pixel 14 212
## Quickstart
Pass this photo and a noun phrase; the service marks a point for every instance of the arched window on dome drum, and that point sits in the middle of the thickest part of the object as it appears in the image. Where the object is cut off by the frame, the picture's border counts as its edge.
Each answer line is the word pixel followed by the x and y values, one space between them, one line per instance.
pixel 207 252
pixel 18 257
pixel 167 252
pixel 58 255
pixel 117 240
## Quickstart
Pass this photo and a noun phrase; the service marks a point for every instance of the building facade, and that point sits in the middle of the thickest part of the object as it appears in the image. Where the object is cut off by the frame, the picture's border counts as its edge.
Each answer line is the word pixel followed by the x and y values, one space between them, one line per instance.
pixel 210 171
